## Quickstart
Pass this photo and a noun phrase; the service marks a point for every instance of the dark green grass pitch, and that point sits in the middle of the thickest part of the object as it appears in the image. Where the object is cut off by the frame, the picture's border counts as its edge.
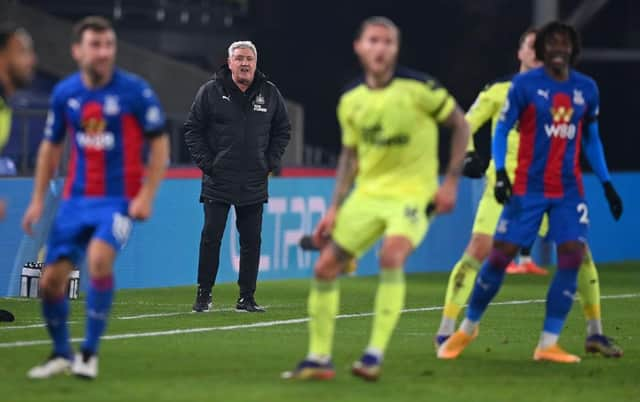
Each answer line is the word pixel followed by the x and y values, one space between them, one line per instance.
pixel 239 357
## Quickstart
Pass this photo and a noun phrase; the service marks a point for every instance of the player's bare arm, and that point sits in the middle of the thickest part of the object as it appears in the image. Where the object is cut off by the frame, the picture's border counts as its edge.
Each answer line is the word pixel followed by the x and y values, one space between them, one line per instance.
pixel 345 176
pixel 446 196
pixel 49 156
pixel 140 207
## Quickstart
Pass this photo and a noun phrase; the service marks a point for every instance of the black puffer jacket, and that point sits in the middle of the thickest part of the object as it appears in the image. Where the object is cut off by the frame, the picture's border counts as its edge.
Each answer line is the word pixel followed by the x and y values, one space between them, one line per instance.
pixel 237 138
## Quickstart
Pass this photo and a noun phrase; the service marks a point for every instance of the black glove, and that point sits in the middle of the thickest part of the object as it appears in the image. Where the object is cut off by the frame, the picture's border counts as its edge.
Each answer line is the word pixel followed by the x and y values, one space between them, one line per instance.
pixel 473 166
pixel 614 200
pixel 502 189
pixel 431 208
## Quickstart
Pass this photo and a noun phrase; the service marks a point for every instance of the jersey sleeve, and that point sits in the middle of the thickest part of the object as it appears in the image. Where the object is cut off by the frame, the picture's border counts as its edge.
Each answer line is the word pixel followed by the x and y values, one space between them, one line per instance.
pixel 350 135
pixel 513 106
pixel 55 126
pixel 482 110
pixel 437 101
pixel 593 104
pixel 148 111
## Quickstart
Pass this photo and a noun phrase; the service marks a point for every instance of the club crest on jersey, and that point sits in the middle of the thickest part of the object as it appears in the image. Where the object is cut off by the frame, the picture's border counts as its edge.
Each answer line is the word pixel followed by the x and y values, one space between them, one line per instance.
pixel 578 99
pixel 111 105
pixel 561 113
pixel 93 134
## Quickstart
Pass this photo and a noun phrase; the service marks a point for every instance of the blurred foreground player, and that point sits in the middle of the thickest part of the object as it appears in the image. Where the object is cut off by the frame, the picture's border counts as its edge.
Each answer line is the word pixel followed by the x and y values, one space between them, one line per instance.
pixel 17 62
pixel 553 104
pixel 109 113
pixel 462 278
pixel 389 120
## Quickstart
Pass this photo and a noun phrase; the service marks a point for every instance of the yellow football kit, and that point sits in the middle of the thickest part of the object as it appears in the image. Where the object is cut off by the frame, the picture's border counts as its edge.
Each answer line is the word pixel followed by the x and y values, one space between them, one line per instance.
pixel 395 133
pixel 488 105
pixel 5 122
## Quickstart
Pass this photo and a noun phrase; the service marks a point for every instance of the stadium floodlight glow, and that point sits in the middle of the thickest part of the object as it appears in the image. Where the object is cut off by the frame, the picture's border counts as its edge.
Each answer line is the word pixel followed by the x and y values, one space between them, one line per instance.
pixel 205 18
pixel 184 17
pixel 161 14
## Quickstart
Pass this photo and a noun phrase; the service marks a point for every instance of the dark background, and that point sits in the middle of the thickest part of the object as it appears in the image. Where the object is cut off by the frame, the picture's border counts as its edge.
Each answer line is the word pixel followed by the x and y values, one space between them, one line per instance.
pixel 305 47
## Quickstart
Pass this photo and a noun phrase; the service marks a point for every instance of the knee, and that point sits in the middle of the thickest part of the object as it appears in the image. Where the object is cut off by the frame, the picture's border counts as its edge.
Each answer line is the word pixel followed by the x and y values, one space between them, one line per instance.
pixel 570 255
pixel 52 283
pixel 100 265
pixel 327 267
pixel 502 254
pixel 480 246
pixel 392 258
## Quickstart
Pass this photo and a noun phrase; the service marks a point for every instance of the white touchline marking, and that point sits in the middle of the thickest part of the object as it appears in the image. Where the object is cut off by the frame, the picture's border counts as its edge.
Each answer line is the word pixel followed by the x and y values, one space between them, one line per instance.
pixel 30 326
pixel 275 323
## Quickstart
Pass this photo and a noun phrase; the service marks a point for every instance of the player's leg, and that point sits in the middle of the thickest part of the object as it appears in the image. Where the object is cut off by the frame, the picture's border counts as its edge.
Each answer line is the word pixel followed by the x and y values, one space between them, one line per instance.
pixel 323 304
pixel 518 225
pixel 100 258
pixel 65 248
pixel 463 275
pixel 460 284
pixel 559 300
pixel 589 296
pixel 568 224
pixel 112 230
pixel 405 228
pixel 55 311
pixel 357 227
pixel 389 302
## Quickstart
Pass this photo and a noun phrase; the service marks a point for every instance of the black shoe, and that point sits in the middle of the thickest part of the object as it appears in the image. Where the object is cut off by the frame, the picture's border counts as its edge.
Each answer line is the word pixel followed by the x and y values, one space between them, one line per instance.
pixel 203 301
pixel 248 305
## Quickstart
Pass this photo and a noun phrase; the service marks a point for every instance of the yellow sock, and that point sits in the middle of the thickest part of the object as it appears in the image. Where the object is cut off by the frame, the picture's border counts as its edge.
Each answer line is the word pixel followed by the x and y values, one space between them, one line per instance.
pixel 324 301
pixel 589 293
pixel 459 288
pixel 388 306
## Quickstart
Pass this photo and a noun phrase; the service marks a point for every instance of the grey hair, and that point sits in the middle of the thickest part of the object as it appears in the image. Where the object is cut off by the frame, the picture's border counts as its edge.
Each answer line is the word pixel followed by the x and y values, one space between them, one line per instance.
pixel 243 44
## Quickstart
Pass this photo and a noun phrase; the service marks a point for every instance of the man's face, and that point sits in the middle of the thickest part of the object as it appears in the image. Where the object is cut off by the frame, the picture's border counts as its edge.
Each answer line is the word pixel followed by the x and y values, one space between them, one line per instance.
pixel 527 53
pixel 96 53
pixel 242 64
pixel 377 48
pixel 557 51
pixel 21 59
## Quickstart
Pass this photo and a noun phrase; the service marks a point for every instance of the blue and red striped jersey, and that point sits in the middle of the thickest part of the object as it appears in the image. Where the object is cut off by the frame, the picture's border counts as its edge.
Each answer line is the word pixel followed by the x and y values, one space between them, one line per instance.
pixel 108 126
pixel 550 115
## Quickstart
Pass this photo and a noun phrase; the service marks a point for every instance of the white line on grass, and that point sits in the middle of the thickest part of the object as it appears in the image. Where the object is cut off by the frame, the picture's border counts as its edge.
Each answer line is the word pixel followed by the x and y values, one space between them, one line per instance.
pixel 276 323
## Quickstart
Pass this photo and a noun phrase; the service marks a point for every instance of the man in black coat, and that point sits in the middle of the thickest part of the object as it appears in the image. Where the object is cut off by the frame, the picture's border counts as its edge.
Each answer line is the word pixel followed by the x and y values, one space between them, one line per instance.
pixel 237 131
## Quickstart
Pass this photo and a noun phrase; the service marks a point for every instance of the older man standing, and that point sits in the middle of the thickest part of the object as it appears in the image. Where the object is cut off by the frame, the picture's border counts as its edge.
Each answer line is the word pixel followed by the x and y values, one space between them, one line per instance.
pixel 237 131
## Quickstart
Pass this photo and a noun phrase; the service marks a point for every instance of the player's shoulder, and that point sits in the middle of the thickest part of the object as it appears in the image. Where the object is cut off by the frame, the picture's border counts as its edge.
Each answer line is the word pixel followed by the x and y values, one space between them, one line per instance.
pixel 419 78
pixel 584 80
pixel 68 86
pixel 499 83
pixel 353 85
pixel 129 80
pixel 352 90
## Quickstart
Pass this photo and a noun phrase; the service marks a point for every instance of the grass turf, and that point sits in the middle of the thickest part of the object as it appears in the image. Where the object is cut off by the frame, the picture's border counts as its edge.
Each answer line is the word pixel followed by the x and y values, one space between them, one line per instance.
pixel 244 364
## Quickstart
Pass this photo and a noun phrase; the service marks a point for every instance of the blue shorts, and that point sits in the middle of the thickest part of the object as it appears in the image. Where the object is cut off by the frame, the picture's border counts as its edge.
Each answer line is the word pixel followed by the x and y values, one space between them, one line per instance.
pixel 521 217
pixel 79 220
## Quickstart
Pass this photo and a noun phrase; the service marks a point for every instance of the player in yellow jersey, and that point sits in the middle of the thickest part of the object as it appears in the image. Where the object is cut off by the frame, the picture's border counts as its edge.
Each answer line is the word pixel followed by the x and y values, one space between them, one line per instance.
pixel 389 120
pixel 487 106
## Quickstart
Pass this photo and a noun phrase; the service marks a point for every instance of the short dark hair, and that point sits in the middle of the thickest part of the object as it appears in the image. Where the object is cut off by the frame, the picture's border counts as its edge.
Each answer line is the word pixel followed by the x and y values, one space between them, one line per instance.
pixel 523 37
pixel 553 28
pixel 377 20
pixel 91 23
pixel 7 30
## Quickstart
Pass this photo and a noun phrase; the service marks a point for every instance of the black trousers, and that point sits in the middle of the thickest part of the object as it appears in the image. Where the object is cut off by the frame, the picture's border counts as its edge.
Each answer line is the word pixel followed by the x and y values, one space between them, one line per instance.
pixel 249 225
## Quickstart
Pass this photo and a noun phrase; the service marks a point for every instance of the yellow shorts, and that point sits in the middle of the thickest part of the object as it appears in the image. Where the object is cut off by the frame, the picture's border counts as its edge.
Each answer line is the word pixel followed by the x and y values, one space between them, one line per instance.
pixel 489 211
pixel 363 219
